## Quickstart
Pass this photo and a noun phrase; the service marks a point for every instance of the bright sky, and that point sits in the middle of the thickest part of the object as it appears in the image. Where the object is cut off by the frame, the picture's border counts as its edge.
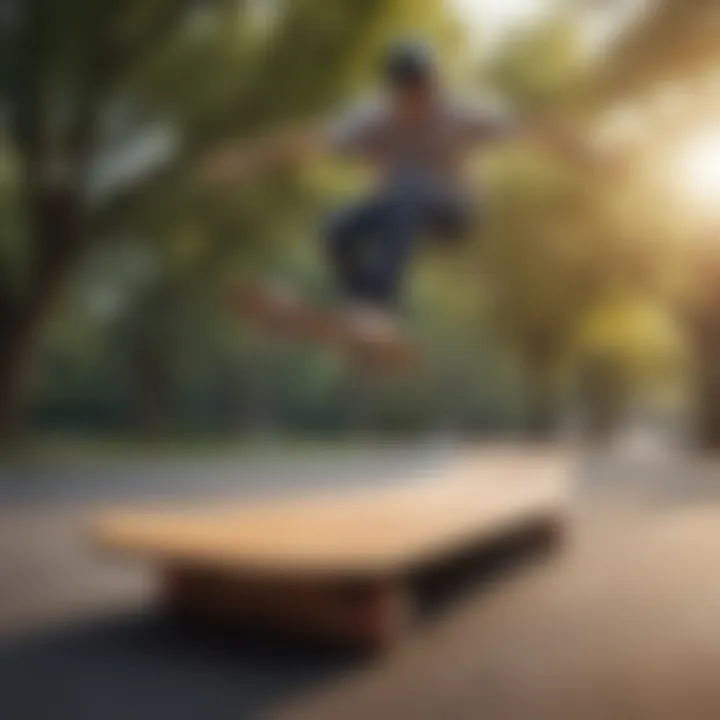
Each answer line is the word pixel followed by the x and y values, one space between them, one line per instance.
pixel 495 16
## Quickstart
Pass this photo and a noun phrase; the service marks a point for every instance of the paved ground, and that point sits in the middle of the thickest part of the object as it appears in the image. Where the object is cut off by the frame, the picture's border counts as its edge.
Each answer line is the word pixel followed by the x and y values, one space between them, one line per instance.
pixel 624 623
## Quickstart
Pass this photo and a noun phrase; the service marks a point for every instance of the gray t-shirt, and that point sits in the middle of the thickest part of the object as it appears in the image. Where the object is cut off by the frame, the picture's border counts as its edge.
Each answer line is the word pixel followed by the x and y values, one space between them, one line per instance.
pixel 436 148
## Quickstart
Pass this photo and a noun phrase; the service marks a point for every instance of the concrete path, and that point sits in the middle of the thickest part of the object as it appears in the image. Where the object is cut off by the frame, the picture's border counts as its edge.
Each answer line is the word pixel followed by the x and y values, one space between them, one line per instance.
pixel 623 623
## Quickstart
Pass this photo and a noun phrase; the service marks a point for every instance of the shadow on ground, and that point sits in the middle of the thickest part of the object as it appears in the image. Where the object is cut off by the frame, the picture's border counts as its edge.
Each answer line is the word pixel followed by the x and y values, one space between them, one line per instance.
pixel 148 665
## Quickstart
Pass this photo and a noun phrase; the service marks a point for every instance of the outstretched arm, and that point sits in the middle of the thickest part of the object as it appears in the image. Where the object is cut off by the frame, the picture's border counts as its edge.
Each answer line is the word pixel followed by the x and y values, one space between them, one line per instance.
pixel 497 124
pixel 237 162
pixel 351 135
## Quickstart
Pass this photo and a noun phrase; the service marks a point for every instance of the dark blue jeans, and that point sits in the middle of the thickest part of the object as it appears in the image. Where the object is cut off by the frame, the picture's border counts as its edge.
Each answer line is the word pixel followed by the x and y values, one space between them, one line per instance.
pixel 370 241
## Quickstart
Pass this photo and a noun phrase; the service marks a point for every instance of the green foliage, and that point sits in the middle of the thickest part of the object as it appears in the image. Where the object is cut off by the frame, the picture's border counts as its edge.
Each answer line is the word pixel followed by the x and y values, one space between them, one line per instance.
pixel 130 95
pixel 542 67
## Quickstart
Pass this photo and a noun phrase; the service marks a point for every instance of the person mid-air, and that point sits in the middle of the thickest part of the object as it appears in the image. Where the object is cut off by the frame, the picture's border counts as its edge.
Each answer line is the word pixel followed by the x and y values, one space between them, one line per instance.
pixel 418 138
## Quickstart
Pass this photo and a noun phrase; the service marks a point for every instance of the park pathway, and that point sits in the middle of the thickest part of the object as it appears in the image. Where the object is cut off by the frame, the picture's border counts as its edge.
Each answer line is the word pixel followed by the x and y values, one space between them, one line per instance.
pixel 623 623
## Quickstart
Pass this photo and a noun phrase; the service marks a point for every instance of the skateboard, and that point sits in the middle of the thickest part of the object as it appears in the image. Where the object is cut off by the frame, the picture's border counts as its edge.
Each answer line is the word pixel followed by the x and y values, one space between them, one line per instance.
pixel 338 565
pixel 284 312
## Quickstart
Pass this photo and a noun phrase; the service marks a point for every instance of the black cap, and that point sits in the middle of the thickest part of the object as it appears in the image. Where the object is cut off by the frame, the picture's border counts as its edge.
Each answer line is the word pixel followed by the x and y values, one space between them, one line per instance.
pixel 409 63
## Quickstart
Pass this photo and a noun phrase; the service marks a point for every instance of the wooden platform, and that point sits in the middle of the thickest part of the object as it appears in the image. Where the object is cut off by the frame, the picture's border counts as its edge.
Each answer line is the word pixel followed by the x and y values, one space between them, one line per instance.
pixel 339 563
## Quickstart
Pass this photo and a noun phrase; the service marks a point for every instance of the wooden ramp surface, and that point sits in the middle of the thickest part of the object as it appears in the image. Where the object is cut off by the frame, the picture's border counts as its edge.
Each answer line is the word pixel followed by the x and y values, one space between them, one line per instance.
pixel 340 565
pixel 359 533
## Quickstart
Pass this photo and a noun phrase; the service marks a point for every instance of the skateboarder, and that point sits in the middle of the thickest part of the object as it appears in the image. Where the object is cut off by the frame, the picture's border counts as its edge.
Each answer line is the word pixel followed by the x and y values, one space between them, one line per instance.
pixel 417 138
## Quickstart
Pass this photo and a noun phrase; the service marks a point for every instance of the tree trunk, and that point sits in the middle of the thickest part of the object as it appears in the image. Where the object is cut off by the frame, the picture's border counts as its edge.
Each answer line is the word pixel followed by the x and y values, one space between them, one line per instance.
pixel 56 217
pixel 604 396
pixel 15 344
pixel 150 365
pixel 702 322
pixel 541 417
pixel 708 402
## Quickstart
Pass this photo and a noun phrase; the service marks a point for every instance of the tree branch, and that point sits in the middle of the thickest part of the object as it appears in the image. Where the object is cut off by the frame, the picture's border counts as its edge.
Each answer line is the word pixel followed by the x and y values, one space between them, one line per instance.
pixel 159 30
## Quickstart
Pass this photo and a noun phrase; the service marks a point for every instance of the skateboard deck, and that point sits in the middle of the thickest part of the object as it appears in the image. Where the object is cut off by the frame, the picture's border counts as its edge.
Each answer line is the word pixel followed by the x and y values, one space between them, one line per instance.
pixel 335 564
pixel 281 311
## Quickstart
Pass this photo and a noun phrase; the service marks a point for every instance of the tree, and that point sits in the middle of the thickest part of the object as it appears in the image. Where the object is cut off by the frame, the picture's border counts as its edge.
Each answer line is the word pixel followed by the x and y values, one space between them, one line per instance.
pixel 673 48
pixel 86 85
pixel 670 41
pixel 538 249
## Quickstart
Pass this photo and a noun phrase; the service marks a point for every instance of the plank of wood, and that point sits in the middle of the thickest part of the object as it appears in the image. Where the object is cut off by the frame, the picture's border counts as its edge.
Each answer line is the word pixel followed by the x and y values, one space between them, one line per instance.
pixel 360 533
